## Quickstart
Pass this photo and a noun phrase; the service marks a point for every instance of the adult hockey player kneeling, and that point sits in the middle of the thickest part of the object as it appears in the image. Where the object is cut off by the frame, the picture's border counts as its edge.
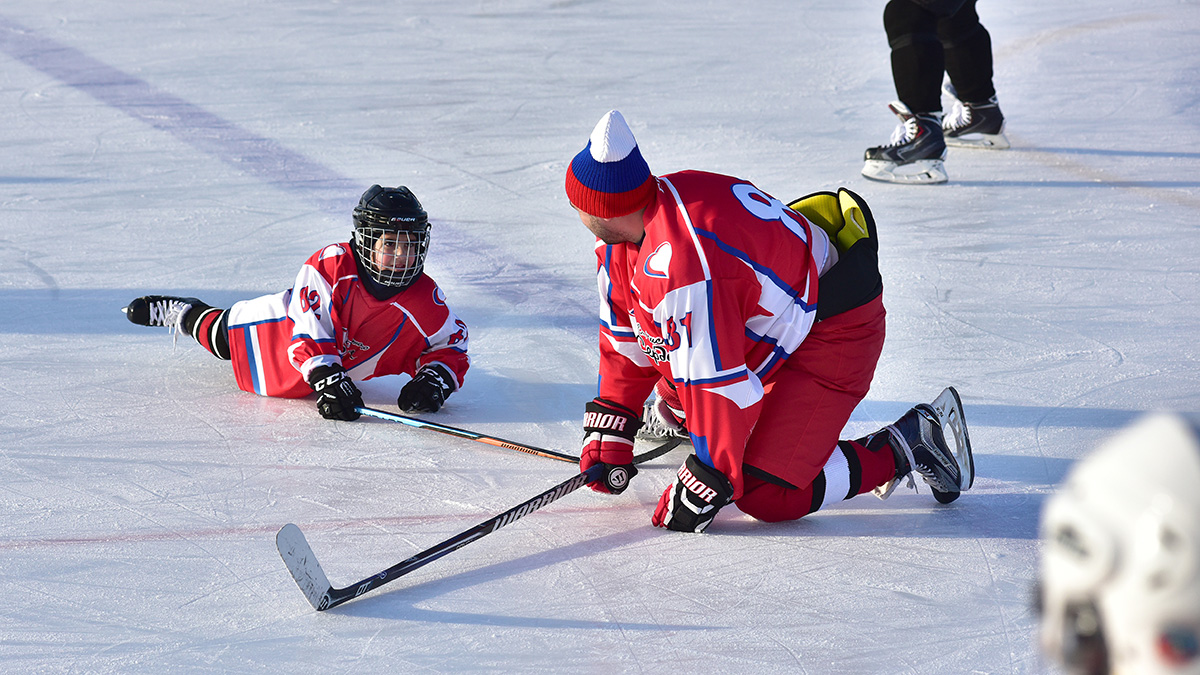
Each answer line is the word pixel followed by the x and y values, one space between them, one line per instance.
pixel 363 308
pixel 766 322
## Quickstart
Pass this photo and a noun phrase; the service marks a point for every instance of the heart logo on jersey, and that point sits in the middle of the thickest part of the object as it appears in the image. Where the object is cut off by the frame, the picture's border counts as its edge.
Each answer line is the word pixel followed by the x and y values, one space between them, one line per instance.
pixel 658 262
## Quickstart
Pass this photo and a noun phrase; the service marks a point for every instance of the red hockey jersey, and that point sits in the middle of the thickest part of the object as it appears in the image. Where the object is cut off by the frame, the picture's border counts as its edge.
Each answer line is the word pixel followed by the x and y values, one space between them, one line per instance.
pixel 720 292
pixel 329 317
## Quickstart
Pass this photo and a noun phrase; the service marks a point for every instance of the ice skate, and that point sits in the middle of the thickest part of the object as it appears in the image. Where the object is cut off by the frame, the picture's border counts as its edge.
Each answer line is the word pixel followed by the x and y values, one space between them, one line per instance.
pixel 974 125
pixel 159 310
pixel 948 407
pixel 657 427
pixel 920 446
pixel 915 154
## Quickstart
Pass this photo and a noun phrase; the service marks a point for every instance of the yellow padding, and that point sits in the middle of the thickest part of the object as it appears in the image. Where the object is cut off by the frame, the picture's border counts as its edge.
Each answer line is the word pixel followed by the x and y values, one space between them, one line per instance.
pixel 840 215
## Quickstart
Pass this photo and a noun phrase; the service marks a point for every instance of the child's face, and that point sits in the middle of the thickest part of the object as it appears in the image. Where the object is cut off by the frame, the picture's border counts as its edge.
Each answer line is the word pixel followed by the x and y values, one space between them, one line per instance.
pixel 393 251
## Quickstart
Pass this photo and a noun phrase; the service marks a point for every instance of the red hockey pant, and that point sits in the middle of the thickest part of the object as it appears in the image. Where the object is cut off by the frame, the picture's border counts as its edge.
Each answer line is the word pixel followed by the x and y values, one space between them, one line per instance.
pixel 805 408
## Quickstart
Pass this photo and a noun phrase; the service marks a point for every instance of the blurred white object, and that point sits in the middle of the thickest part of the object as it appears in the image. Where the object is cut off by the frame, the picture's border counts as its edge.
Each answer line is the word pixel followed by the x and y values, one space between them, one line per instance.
pixel 1120 571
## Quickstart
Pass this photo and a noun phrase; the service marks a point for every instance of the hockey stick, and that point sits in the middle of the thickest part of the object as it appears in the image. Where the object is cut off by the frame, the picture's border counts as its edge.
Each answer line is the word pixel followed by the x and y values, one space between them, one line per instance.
pixel 307 572
pixel 500 442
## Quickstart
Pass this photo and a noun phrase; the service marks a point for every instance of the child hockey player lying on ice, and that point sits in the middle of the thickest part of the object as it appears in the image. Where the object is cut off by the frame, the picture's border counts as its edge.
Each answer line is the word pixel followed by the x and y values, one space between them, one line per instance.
pixel 362 308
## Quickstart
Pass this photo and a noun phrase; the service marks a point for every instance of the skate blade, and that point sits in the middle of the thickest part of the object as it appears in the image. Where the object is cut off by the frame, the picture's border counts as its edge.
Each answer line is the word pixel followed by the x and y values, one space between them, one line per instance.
pixel 948 407
pixel 981 141
pixel 920 172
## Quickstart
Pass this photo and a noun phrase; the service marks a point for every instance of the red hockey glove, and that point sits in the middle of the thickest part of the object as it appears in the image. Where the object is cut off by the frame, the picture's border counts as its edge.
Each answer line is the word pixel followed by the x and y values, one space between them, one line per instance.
pixel 692 501
pixel 427 391
pixel 337 397
pixel 608 430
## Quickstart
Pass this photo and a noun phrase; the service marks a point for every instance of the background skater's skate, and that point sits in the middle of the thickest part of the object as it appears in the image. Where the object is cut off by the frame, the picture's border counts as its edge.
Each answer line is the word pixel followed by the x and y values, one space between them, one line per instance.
pixel 915 154
pixel 974 125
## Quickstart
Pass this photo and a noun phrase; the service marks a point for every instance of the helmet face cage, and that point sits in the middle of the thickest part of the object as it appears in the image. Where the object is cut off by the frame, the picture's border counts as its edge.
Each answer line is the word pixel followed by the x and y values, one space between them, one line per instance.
pixel 391 235
pixel 393 257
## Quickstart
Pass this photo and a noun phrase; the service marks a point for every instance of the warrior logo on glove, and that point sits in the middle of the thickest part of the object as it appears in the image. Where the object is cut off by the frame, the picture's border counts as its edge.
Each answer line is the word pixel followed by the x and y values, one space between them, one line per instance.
pixel 601 421
pixel 609 429
pixel 697 486
pixel 617 479
pixel 692 501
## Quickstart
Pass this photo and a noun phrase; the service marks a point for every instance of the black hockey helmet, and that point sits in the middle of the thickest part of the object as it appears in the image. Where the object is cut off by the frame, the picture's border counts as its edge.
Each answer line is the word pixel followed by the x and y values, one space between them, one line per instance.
pixel 391 235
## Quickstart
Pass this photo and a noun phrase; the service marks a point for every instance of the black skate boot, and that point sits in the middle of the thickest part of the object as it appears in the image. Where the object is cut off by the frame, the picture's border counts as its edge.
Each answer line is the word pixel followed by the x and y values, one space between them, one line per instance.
pixel 975 125
pixel 915 154
pixel 919 444
pixel 160 310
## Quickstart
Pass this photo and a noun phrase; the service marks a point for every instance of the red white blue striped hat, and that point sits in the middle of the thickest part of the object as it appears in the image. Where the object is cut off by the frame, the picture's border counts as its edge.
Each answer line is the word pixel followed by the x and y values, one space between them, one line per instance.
pixel 609 178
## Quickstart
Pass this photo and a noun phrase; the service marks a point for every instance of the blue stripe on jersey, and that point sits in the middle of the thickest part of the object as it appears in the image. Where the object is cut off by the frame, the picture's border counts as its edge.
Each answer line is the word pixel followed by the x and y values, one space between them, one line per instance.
pixel 759 268
pixel 700 445
pixel 620 332
pixel 252 358
pixel 305 336
pixel 778 356
pixel 392 339
pixel 777 353
pixel 739 374
pixel 712 329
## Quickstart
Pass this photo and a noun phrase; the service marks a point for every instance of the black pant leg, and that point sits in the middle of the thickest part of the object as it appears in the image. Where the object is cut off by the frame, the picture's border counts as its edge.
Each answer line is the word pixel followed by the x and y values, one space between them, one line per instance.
pixel 968 54
pixel 918 60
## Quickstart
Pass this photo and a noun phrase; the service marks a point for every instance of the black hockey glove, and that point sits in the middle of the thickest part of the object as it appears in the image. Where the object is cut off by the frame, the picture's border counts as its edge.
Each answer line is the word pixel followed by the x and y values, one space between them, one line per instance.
pixel 692 501
pixel 427 391
pixel 337 397
pixel 608 430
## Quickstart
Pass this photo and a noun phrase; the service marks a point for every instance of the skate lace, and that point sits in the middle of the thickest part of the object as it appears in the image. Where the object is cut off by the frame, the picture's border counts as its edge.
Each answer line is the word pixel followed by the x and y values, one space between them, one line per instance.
pixel 654 427
pixel 884 491
pixel 960 116
pixel 905 132
pixel 169 313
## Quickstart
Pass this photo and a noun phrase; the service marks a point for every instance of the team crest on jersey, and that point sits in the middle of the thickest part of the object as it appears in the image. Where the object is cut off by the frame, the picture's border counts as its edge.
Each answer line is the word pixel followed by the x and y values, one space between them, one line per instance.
pixel 439 298
pixel 352 347
pixel 658 262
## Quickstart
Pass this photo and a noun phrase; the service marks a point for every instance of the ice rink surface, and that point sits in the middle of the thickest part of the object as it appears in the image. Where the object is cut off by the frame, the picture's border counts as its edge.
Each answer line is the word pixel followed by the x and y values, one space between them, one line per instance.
pixel 208 148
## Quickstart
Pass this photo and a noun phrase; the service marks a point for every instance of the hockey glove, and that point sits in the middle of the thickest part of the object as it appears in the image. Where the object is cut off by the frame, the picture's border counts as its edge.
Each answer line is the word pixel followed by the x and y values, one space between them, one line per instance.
pixel 692 501
pixel 337 397
pixel 608 430
pixel 427 391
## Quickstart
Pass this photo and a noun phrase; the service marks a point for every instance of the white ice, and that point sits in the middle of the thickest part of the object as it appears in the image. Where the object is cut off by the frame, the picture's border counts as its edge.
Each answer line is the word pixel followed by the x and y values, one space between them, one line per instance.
pixel 207 148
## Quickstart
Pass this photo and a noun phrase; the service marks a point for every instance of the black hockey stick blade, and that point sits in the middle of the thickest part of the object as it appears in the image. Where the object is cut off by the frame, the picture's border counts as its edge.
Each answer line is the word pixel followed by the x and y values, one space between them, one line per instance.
pixel 313 582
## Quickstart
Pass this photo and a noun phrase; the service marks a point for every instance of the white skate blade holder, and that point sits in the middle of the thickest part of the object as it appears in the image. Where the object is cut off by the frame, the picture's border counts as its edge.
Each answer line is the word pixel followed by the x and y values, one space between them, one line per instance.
pixel 948 407
pixel 919 172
